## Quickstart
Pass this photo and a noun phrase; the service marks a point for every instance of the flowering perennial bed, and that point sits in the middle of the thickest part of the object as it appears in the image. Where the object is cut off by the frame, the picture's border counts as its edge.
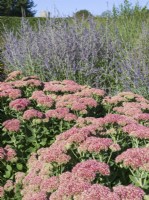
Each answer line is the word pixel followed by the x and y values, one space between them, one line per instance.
pixel 63 141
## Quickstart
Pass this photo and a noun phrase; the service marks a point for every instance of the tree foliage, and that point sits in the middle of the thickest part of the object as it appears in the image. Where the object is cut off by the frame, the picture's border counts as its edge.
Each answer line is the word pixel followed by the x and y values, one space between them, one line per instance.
pixel 82 14
pixel 20 8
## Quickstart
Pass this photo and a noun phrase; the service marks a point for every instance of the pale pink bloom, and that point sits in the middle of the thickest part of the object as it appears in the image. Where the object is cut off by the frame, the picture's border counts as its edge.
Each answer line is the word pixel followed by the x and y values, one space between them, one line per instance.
pixel 94 144
pixel 142 117
pixel 88 169
pixel 70 117
pixel 46 101
pixel 10 153
pixel 1 192
pixel 32 160
pixel 19 176
pixel 128 111
pixel 37 94
pixel 98 122
pixel 113 100
pixel 89 92
pixel 74 135
pixel 90 102
pixel 69 186
pixel 33 83
pixel 78 106
pixel 134 157
pixel 141 99
pixel 12 125
pixel 111 118
pixel 54 153
pixel 64 86
pixel 71 88
pixel 32 113
pixel 51 87
pixel 118 119
pixel 115 147
pixel 19 84
pixel 59 113
pixel 129 192
pixel 98 92
pixel 19 104
pixel 29 195
pixel 13 75
pixel 49 184
pixel 98 192
pixel 13 93
pixel 2 153
pixel 8 185
pixel 5 86
pixel 137 130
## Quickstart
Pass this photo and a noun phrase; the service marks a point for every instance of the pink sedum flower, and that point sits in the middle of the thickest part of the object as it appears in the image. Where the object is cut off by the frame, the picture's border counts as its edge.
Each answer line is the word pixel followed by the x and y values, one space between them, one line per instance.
pixel 50 184
pixel 19 104
pixel 2 153
pixel 98 192
pixel 137 130
pixel 8 186
pixel 134 157
pixel 94 144
pixel 19 176
pixel 32 113
pixel 88 169
pixel 129 192
pixel 1 191
pixel 12 125
pixel 69 186
pixel 13 75
pixel 13 93
pixel 10 154
pixel 115 147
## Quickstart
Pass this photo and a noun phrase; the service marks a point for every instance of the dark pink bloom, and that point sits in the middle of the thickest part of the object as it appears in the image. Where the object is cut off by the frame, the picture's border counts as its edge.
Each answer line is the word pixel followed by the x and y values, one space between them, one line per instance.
pixel 19 104
pixel 88 169
pixel 69 186
pixel 12 125
pixel 129 192
pixel 55 153
pixel 98 192
pixel 32 113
